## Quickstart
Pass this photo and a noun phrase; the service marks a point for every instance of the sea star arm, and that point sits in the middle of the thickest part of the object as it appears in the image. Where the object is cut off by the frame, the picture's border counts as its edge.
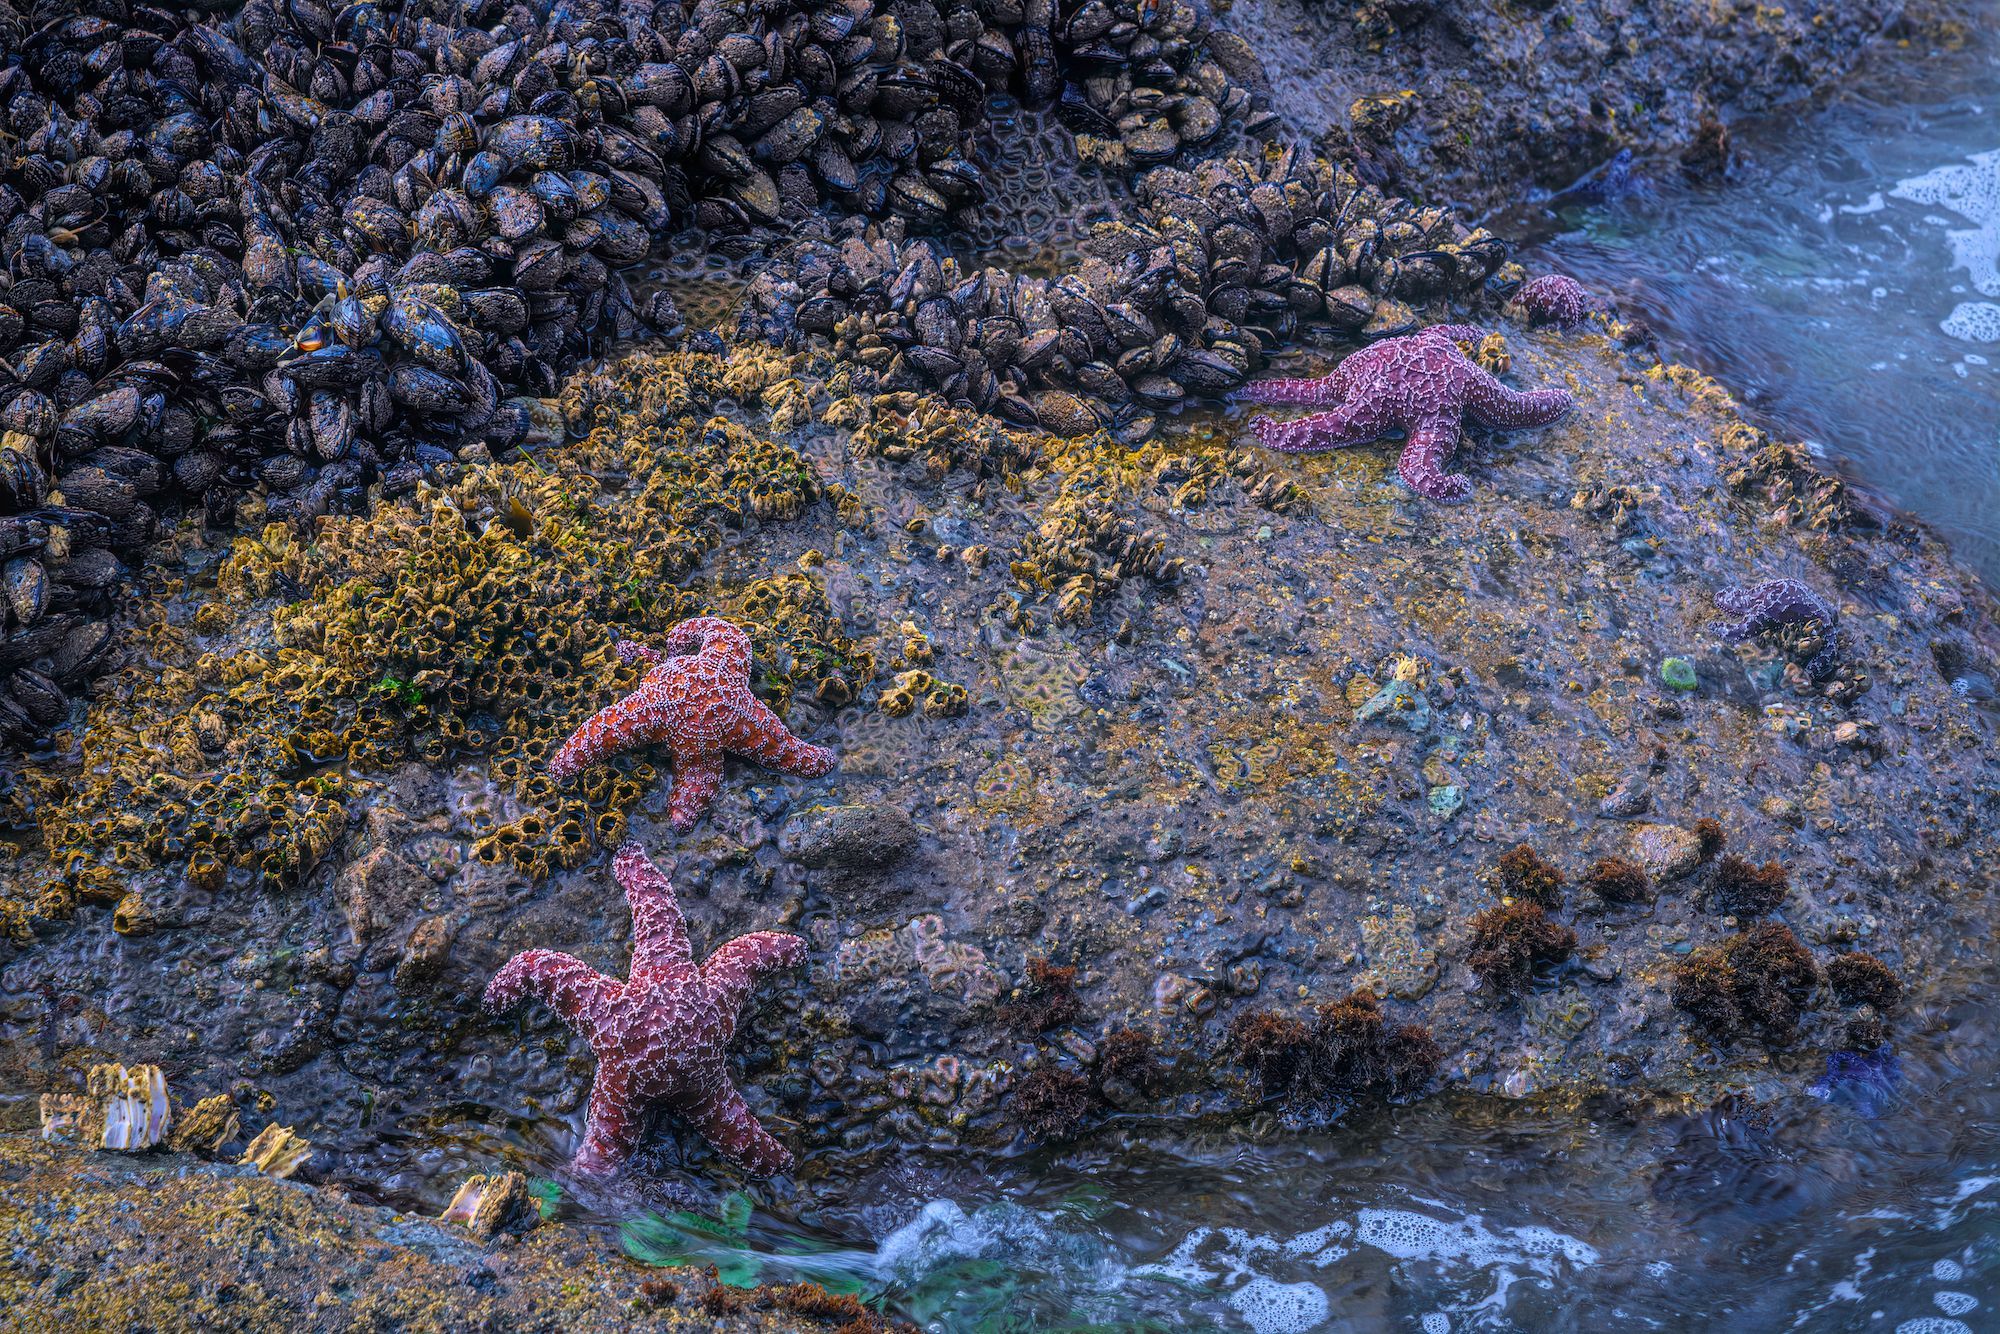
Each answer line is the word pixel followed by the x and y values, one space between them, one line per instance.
pixel 563 982
pixel 612 1127
pixel 616 727
pixel 631 650
pixel 756 733
pixel 1349 424
pixel 1422 463
pixel 697 778
pixel 659 932
pixel 1457 333
pixel 712 635
pixel 735 967
pixel 1490 403
pixel 1313 390
pixel 726 1121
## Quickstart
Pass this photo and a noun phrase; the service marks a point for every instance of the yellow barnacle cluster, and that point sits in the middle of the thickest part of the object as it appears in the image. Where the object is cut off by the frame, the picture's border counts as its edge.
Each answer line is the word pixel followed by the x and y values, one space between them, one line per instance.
pixel 470 624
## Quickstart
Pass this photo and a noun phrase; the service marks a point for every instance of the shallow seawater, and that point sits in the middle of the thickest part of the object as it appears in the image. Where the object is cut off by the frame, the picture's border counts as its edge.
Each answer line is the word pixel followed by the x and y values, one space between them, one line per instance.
pixel 1844 282
pixel 1870 1207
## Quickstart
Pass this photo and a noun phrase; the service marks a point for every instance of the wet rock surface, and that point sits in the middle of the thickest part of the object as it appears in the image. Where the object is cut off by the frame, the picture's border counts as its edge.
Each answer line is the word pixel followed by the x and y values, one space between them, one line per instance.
pixel 1166 775
pixel 1472 100
pixel 1141 739
pixel 180 1244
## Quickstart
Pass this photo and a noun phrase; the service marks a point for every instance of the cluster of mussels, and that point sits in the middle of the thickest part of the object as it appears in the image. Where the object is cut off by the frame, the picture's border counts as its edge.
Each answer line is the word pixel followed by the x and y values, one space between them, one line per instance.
pixel 1224 264
pixel 304 248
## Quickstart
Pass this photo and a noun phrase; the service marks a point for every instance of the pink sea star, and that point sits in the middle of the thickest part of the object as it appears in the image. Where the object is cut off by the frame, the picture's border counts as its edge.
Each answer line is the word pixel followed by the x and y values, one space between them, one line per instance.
pixel 1554 299
pixel 696 701
pixel 1420 384
pixel 659 1036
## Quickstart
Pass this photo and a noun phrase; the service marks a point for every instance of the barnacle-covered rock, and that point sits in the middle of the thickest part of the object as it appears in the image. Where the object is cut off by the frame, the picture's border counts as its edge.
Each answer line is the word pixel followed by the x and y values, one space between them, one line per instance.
pixel 473 624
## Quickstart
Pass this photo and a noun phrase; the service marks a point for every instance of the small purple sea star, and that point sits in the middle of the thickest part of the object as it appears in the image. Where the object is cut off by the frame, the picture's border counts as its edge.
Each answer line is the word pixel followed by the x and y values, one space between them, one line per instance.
pixel 1554 299
pixel 1420 384
pixel 1778 602
pixel 660 1035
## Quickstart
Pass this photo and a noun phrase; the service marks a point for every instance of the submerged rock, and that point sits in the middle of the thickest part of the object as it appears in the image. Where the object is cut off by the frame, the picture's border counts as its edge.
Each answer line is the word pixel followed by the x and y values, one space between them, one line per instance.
pixel 1665 851
pixel 848 838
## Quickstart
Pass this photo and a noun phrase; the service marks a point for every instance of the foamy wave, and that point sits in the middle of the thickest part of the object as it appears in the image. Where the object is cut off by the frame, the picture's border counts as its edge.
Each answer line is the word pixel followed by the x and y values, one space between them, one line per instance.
pixel 1250 1268
pixel 1972 191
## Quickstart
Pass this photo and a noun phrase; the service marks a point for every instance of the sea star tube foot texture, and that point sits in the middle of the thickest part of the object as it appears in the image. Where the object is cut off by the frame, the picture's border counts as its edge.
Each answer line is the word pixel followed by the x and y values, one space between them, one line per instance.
pixel 661 1034
pixel 1422 385
pixel 695 701
pixel 1777 602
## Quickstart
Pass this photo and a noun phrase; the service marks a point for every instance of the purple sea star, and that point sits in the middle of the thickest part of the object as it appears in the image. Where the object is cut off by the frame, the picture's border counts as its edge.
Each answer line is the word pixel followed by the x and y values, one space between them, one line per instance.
pixel 1420 384
pixel 1777 602
pixel 696 701
pixel 660 1035
pixel 1554 299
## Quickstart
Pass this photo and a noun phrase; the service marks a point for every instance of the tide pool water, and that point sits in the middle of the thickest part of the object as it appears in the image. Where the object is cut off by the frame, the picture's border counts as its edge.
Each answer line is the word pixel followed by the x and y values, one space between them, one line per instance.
pixel 1844 282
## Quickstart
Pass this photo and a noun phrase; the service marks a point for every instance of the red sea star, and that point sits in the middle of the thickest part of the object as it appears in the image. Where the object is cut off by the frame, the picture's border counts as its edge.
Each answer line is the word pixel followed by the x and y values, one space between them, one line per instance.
pixel 1420 384
pixel 660 1035
pixel 1553 299
pixel 696 701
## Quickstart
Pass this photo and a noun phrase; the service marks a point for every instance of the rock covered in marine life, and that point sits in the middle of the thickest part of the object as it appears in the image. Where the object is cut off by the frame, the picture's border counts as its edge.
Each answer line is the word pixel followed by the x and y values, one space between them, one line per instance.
pixel 696 702
pixel 1205 273
pixel 1782 602
pixel 278 256
pixel 1422 385
pixel 277 1151
pixel 661 1035
pixel 1553 299
pixel 122 1107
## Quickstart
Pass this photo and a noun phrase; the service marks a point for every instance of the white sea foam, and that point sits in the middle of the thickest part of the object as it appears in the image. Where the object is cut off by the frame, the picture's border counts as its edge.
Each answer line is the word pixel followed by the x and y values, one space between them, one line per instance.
pixel 1258 1273
pixel 1973 322
pixel 1971 190
pixel 1271 1307
pixel 1409 1235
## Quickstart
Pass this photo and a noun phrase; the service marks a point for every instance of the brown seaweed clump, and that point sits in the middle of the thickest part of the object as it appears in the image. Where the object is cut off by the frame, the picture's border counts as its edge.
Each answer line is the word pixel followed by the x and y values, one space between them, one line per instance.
pixel 1746 890
pixel 1351 1050
pixel 1509 941
pixel 1712 835
pixel 1524 875
pixel 1863 979
pixel 1051 1104
pixel 1269 1046
pixel 1761 980
pixel 1048 1001
pixel 1128 1057
pixel 1615 880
